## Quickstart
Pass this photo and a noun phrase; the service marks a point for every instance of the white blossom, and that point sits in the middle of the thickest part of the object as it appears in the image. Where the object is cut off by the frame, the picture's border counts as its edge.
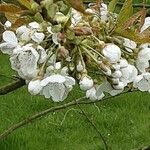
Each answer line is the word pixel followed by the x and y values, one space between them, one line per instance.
pixel 7 24
pixel 143 59
pixel 10 42
pixel 25 62
pixel 42 54
pixel 103 12
pixel 34 25
pixel 112 53
pixel 23 34
pixel 146 24
pixel 123 63
pixel 57 87
pixel 128 74
pixel 142 82
pixel 119 86
pixel 86 83
pixel 80 67
pixel 75 17
pixel 91 94
pixel 129 44
pixel 107 87
pixel 106 70
pixel 38 37
pixel 34 87
pixel 117 74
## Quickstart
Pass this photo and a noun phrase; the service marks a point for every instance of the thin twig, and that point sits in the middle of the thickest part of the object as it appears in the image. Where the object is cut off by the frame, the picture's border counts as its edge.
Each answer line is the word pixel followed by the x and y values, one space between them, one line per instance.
pixel 28 120
pixel 12 86
pixel 94 126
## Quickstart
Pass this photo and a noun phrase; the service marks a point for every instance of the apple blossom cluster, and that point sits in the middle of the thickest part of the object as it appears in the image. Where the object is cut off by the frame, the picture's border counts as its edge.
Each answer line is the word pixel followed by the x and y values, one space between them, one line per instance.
pixel 52 61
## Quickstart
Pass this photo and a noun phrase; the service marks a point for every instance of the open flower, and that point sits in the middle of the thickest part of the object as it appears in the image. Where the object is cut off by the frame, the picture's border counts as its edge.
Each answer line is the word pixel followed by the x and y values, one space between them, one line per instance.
pixel 129 44
pixel 91 94
pixel 143 59
pixel 86 83
pixel 142 82
pixel 42 54
pixel 10 42
pixel 25 62
pixel 107 87
pixel 57 86
pixel 129 73
pixel 112 53
pixel 32 31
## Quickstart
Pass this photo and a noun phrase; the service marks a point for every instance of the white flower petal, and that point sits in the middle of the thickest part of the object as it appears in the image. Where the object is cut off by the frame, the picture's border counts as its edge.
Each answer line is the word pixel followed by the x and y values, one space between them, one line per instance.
pixel 55 38
pixel 112 52
pixel 34 87
pixel 129 44
pixel 7 48
pixel 10 37
pixel 8 24
pixel 38 37
pixel 86 83
pixel 57 92
pixel 42 53
pixel 34 25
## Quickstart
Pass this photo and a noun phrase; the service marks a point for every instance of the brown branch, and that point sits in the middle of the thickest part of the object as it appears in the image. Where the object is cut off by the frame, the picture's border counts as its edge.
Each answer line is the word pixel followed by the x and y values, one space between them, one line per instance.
pixel 28 120
pixel 12 86
pixel 94 126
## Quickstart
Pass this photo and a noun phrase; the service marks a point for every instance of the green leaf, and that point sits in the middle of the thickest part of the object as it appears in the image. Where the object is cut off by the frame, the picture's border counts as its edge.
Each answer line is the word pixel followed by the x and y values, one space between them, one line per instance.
pixel 125 13
pixel 112 5
pixel 51 10
pixel 26 3
pixel 136 36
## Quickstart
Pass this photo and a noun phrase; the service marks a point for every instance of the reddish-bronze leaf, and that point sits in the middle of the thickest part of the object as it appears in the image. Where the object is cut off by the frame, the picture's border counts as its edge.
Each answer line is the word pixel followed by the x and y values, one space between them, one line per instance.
pixel 79 31
pixel 137 17
pixel 77 4
pixel 9 8
pixel 11 17
pixel 19 22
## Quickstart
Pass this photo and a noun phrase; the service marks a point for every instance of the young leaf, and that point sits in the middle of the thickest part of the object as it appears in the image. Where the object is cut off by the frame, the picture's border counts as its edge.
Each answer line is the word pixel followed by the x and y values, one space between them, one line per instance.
pixel 112 5
pixel 136 36
pixel 26 3
pixel 77 4
pixel 9 8
pixel 11 17
pixel 137 17
pixel 125 13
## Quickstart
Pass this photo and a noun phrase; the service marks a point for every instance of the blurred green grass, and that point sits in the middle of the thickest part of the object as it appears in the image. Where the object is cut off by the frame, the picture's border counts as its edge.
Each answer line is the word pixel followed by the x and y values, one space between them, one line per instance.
pixel 124 121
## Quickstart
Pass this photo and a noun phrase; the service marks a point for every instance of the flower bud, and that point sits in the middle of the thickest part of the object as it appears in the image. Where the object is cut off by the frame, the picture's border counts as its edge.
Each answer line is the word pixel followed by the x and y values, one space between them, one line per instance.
pixel 86 83
pixel 119 86
pixel 112 53
pixel 123 63
pixel 80 67
pixel 7 24
pixel 34 87
pixel 115 80
pixel 117 74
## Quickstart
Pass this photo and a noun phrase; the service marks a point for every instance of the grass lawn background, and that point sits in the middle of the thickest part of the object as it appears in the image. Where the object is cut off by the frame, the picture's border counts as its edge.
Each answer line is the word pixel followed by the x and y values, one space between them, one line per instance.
pixel 124 121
